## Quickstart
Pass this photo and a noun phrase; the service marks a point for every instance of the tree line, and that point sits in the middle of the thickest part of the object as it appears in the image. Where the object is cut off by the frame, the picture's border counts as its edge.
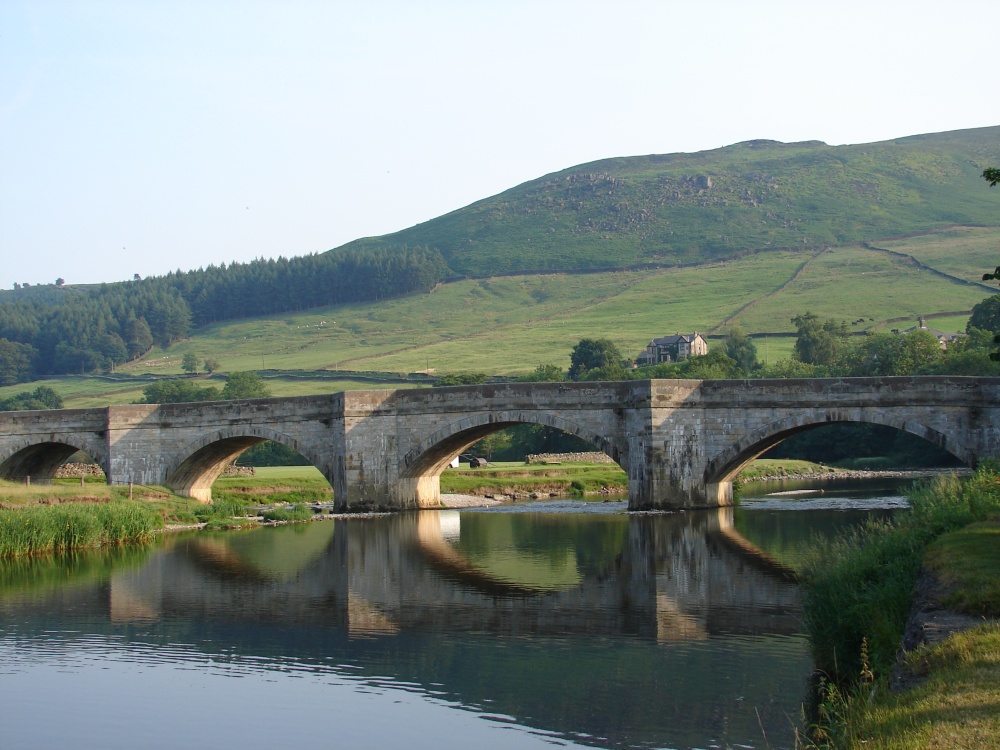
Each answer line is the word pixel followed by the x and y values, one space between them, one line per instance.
pixel 88 329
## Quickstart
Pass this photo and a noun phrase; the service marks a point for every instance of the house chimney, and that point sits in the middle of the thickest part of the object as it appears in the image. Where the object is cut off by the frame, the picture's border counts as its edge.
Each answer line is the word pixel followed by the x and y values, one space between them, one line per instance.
pixel 923 322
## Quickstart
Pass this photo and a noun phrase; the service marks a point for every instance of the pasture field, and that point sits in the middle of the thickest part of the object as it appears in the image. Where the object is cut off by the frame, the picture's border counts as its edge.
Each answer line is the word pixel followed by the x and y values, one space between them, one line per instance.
pixel 275 484
pixel 508 325
pixel 81 391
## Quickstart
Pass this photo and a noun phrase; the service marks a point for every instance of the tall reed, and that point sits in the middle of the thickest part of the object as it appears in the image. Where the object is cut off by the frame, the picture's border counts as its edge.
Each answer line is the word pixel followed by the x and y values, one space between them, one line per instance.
pixel 57 528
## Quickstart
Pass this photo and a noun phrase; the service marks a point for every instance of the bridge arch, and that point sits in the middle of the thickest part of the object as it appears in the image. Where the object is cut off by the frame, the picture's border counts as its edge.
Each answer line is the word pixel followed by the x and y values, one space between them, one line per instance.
pixel 38 457
pixel 420 473
pixel 200 463
pixel 727 464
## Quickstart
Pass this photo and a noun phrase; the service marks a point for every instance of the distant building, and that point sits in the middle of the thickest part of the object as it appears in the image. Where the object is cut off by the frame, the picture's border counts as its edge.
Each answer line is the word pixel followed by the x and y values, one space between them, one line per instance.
pixel 674 348
pixel 943 338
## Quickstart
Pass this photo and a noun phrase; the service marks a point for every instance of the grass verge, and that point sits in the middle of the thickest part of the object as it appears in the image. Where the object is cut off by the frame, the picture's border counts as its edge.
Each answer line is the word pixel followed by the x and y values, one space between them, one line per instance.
pixel 288 514
pixel 65 516
pixel 508 478
pixel 967 564
pixel 782 468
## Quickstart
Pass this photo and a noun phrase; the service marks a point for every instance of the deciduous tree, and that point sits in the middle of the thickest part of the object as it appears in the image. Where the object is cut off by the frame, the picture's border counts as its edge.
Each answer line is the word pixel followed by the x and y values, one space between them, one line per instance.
pixel 992 176
pixel 741 349
pixel 818 343
pixel 42 397
pixel 543 374
pixel 16 362
pixel 177 390
pixel 591 354
pixel 245 385
pixel 189 363
pixel 461 378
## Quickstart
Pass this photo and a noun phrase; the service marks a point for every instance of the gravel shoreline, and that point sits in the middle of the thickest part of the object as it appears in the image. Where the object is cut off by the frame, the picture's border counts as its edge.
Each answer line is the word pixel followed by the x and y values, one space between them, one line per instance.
pixel 467 501
pixel 859 474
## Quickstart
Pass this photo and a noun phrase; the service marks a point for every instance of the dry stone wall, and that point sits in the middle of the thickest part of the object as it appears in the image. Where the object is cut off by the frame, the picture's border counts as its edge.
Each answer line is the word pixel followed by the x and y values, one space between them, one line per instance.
pixel 93 470
pixel 595 457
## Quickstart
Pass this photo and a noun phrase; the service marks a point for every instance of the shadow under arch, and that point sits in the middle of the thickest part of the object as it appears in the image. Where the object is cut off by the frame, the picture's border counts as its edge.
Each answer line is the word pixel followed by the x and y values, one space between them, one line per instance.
pixel 39 457
pixel 203 461
pixel 727 464
pixel 420 477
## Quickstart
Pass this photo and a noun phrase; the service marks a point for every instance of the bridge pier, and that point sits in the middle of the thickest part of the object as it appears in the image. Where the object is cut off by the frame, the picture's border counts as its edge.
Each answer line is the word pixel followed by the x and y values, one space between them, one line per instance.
pixel 658 493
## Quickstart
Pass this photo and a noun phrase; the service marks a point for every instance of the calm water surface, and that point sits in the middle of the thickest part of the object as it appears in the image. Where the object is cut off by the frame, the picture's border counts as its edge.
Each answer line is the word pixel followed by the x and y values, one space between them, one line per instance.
pixel 505 629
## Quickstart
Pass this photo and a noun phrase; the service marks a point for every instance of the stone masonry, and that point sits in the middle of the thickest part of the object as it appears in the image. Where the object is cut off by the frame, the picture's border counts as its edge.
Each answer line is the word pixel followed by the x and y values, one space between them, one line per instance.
pixel 680 441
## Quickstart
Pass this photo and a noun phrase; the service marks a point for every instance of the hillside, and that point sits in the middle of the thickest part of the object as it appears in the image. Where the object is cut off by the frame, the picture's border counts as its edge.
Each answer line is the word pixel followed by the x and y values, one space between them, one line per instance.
pixel 714 205
pixel 631 248
pixel 508 325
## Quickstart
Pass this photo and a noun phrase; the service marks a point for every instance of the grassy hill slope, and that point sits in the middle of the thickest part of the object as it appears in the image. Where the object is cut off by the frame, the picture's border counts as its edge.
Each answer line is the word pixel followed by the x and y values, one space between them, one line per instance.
pixel 713 205
pixel 509 324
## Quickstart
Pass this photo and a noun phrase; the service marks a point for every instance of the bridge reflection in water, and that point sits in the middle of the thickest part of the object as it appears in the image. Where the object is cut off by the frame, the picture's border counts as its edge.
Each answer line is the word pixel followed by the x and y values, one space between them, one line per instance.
pixel 541 618
pixel 675 577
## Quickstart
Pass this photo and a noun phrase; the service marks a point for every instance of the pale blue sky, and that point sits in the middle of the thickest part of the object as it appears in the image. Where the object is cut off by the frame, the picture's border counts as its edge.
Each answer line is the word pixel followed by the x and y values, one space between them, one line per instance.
pixel 145 136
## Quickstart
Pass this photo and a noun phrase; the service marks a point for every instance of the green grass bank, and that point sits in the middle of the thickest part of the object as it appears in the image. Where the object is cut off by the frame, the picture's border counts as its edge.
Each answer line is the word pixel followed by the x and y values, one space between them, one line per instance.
pixel 31 516
pixel 858 594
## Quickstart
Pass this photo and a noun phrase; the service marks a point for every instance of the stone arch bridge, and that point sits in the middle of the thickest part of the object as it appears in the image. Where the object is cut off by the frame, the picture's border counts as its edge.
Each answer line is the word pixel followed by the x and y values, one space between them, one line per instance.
pixel 680 441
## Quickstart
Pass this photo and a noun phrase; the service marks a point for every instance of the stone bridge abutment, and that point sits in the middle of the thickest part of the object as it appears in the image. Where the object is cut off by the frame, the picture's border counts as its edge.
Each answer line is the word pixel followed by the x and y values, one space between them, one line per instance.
pixel 680 441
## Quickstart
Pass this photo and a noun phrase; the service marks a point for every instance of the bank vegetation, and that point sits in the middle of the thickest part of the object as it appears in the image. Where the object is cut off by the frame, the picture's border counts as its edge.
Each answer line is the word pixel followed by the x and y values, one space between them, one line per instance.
pixel 858 595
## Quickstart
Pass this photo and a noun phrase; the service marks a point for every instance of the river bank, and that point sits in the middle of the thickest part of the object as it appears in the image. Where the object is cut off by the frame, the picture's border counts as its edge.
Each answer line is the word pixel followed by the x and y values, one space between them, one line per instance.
pixel 888 612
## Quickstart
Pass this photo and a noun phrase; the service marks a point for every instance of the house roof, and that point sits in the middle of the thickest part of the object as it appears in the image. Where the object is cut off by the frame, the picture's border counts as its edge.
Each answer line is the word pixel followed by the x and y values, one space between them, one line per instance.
pixel 677 338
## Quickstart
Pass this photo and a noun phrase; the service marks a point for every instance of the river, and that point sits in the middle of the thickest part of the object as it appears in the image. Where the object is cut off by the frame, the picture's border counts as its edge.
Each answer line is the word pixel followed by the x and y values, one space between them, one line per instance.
pixel 510 627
